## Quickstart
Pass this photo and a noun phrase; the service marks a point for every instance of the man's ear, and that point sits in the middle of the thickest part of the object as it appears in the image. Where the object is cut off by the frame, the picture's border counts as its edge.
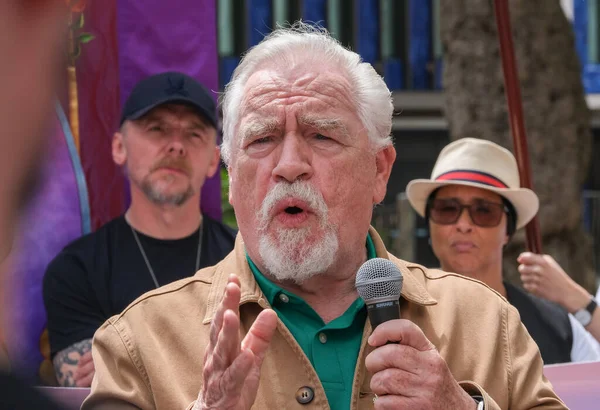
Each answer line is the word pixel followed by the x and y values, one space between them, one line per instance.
pixel 384 160
pixel 214 163
pixel 119 152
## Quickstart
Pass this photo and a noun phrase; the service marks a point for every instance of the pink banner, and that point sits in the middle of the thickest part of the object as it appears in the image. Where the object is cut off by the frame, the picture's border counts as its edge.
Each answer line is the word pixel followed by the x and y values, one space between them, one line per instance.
pixel 577 384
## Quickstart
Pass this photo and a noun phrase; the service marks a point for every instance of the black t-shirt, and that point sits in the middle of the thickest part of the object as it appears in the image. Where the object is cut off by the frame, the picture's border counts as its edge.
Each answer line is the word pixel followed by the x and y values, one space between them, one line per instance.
pixel 547 323
pixel 100 274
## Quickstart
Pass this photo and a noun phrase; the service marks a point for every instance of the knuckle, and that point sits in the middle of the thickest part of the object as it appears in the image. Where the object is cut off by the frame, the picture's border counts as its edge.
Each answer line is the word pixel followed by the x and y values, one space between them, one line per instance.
pixel 393 382
pixel 211 392
pixel 376 384
pixel 437 367
pixel 389 360
pixel 389 381
pixel 208 369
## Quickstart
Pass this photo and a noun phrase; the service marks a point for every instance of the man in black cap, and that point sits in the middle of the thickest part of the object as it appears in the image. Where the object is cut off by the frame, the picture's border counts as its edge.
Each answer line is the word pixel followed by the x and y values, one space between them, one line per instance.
pixel 167 146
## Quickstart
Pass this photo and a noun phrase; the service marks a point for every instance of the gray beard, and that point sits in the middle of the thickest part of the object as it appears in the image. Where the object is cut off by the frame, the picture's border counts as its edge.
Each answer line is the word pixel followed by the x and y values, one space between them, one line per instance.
pixel 160 198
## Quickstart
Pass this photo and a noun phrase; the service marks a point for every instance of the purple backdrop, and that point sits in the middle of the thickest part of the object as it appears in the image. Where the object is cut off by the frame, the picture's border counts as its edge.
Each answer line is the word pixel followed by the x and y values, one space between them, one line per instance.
pixel 151 37
pixel 176 35
pixel 53 219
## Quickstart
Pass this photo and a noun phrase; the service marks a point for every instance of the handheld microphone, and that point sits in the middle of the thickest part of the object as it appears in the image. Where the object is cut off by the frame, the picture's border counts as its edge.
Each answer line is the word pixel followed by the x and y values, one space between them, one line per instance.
pixel 379 282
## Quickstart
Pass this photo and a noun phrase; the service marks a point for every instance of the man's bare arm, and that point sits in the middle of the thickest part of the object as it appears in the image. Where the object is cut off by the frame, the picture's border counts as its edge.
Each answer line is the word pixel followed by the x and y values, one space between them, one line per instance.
pixel 66 361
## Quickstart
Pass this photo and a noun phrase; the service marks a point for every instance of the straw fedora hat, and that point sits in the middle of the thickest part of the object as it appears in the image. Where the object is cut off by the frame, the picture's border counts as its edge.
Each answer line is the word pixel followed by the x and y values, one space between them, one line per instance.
pixel 481 164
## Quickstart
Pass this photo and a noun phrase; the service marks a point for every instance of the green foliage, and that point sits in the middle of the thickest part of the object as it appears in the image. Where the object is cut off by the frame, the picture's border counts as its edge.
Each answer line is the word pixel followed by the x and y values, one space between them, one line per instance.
pixel 78 37
pixel 85 37
pixel 228 214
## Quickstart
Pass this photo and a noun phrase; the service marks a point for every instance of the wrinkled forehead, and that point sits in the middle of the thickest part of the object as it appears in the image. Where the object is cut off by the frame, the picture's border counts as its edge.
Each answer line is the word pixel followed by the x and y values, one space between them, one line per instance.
pixel 269 89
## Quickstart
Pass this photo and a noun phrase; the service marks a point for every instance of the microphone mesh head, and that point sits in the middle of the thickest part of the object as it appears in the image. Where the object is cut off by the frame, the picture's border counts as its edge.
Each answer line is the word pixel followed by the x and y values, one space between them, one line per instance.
pixel 378 278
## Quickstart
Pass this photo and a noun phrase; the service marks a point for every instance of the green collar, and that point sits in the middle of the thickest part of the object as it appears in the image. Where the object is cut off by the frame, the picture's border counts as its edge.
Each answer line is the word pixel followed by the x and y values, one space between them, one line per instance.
pixel 271 290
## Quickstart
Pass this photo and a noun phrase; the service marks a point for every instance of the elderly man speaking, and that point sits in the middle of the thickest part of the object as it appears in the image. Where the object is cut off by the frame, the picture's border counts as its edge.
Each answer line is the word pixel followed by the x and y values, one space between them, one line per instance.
pixel 278 324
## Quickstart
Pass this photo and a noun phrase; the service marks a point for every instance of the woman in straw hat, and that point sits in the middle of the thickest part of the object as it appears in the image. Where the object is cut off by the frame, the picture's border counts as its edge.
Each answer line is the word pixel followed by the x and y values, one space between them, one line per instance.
pixel 482 178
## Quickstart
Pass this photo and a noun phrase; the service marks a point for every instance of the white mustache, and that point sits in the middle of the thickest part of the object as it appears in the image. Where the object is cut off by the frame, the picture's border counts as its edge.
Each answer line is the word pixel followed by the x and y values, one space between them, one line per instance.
pixel 300 190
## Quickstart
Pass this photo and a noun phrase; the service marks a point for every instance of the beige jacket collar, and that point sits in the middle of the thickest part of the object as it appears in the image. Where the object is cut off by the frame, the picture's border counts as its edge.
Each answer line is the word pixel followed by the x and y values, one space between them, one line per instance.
pixel 236 263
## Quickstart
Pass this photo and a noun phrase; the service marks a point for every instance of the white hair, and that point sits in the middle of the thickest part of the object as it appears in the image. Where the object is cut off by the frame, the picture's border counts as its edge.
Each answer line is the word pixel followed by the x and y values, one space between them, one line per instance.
pixel 285 46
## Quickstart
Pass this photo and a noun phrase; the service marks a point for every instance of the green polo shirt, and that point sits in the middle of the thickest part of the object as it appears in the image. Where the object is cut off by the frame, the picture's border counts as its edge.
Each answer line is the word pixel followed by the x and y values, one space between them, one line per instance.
pixel 332 348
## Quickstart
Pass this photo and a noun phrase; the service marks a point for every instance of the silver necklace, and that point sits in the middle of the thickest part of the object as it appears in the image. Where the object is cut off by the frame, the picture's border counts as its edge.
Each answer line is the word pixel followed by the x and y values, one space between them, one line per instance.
pixel 141 248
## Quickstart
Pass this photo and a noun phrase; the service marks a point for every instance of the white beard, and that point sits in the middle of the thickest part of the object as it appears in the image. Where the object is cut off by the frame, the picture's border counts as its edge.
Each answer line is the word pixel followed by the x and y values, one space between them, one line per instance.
pixel 288 256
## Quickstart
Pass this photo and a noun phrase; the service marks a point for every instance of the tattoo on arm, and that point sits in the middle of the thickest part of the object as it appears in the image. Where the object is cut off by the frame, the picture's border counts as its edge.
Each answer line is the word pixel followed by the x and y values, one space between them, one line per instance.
pixel 65 362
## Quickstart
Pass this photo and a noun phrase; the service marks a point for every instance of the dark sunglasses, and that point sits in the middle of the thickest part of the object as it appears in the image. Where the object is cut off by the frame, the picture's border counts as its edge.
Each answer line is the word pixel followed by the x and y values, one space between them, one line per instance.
pixel 483 213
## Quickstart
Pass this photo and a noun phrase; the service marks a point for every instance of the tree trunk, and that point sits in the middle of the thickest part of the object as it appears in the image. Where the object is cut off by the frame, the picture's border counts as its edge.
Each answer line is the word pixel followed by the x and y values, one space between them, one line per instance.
pixel 557 119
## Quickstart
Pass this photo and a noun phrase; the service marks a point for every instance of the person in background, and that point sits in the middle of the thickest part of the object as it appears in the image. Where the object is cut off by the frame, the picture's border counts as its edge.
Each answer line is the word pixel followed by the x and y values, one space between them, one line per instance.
pixel 278 324
pixel 544 277
pixel 32 42
pixel 474 204
pixel 167 146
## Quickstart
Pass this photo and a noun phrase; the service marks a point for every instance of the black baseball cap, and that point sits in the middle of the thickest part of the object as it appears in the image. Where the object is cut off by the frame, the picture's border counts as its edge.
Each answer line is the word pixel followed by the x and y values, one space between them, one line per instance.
pixel 170 87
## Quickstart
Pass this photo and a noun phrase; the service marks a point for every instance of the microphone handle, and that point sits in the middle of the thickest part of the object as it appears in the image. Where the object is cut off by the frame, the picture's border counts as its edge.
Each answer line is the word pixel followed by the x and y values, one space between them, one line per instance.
pixel 383 311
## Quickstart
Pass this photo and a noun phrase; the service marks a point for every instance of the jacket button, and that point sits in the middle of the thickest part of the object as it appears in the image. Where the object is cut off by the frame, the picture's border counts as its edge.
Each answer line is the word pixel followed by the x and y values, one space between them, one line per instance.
pixel 305 395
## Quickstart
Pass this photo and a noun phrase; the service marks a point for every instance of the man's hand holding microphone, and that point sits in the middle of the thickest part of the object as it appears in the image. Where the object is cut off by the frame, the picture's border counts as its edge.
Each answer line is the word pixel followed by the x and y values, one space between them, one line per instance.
pixel 407 370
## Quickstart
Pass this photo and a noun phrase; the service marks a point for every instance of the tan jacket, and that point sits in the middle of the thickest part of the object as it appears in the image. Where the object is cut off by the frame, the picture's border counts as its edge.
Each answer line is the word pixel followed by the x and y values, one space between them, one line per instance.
pixel 151 355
